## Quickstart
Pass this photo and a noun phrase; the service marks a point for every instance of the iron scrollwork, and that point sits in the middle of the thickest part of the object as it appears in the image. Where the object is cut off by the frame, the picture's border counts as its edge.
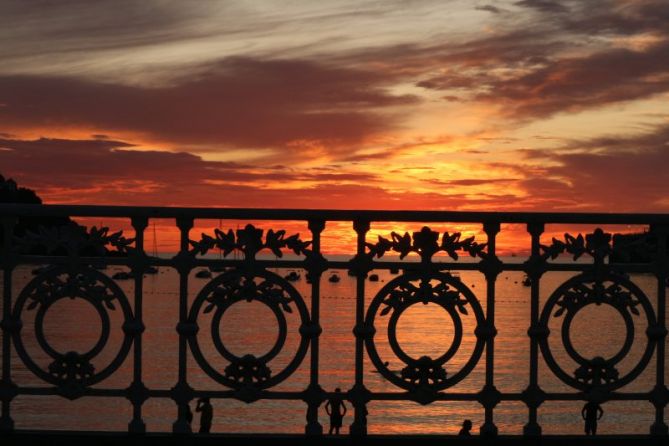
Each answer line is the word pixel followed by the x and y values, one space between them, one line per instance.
pixel 72 372
pixel 601 285
pixel 237 285
pixel 415 288
pixel 615 291
pixel 425 374
pixel 410 289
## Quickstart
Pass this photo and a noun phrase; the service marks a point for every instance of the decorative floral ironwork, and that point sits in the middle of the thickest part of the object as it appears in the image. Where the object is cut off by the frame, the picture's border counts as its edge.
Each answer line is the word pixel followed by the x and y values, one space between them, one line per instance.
pixel 596 372
pixel 249 241
pixel 408 293
pixel 73 239
pixel 261 286
pixel 72 367
pixel 424 374
pixel 248 370
pixel 612 293
pixel 597 244
pixel 234 288
pixel 58 286
pixel 71 374
pixel 426 244
pixel 577 293
pixel 72 371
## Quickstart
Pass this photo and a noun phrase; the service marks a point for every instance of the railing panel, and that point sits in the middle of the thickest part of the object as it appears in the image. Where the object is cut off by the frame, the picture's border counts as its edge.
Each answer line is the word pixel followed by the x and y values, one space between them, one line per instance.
pixel 421 267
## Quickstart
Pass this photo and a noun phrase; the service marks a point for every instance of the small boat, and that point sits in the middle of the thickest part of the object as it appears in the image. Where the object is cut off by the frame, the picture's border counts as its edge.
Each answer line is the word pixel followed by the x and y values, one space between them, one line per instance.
pixel 334 278
pixel 122 275
pixel 203 274
pixel 527 281
pixel 394 270
pixel 151 270
pixel 373 277
pixel 292 276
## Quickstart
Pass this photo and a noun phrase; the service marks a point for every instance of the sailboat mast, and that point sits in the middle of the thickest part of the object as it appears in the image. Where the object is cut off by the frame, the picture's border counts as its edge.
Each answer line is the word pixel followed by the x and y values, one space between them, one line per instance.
pixel 155 240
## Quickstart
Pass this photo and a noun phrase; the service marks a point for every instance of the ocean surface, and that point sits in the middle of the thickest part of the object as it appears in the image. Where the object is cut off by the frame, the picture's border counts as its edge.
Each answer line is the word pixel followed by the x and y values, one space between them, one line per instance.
pixel 73 324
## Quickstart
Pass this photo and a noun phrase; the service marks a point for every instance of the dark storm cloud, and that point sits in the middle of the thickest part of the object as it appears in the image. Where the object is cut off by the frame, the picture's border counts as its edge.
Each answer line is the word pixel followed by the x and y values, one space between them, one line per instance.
pixel 623 173
pixel 85 163
pixel 574 84
pixel 106 171
pixel 239 102
pixel 617 18
pixel 625 182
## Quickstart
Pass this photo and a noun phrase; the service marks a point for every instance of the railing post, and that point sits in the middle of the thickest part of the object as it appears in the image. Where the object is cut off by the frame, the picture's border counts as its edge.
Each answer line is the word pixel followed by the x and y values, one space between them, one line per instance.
pixel 490 396
pixel 358 394
pixel 182 393
pixel 315 393
pixel 660 394
pixel 137 392
pixel 533 395
pixel 8 389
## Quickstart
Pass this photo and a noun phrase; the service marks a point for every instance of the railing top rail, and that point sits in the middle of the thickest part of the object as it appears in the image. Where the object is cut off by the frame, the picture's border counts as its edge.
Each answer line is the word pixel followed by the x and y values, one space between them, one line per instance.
pixel 11 209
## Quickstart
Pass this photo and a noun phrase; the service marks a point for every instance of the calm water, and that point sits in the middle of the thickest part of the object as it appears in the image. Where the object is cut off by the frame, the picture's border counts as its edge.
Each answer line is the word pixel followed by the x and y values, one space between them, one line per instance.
pixel 74 325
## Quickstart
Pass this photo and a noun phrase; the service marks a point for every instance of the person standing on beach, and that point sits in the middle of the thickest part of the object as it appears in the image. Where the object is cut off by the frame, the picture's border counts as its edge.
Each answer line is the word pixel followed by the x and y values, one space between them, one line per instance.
pixel 466 430
pixel 591 412
pixel 336 409
pixel 204 406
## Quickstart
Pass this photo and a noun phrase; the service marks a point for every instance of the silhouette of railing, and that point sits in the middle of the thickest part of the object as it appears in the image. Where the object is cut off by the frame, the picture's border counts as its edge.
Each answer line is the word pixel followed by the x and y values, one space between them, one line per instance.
pixel 75 254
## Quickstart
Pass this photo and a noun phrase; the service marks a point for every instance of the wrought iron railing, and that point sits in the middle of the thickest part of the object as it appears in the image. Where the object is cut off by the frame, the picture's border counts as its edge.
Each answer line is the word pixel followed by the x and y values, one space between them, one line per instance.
pixel 74 255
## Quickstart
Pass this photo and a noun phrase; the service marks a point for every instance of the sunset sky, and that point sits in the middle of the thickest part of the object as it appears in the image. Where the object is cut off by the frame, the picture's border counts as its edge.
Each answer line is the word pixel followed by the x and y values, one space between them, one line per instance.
pixel 462 105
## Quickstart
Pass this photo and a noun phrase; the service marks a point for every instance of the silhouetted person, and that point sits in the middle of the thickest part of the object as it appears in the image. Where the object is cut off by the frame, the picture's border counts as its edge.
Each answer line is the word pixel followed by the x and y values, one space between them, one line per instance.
pixel 204 406
pixel 591 413
pixel 189 415
pixel 336 408
pixel 466 429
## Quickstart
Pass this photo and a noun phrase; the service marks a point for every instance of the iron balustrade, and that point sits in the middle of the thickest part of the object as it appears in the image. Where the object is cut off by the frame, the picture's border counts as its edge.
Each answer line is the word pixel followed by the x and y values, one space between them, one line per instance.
pixel 73 253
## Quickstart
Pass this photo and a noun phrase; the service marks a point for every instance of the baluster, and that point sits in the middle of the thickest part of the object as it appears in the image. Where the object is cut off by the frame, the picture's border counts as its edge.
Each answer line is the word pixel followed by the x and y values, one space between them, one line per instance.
pixel 315 393
pixel 358 394
pixel 660 395
pixel 8 389
pixel 182 393
pixel 490 396
pixel 138 393
pixel 532 396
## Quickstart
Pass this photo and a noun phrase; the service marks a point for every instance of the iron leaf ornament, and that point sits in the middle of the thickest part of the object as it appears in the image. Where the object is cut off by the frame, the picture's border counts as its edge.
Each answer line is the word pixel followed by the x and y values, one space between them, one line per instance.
pixel 596 244
pixel 249 241
pixel 426 244
pixel 75 240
